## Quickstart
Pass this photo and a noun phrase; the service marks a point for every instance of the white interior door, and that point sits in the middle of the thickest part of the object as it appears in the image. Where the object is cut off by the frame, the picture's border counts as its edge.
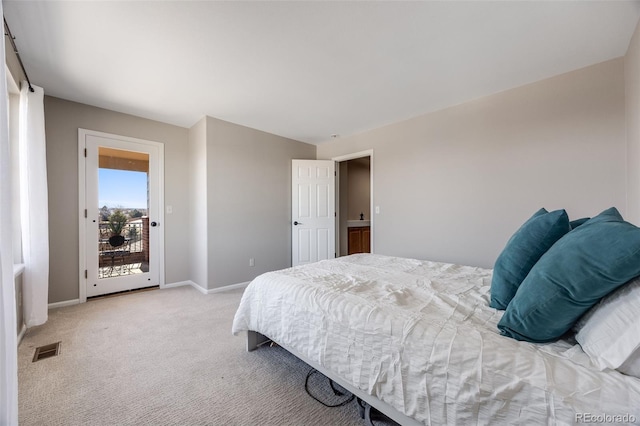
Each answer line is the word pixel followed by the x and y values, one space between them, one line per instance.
pixel 313 211
pixel 122 214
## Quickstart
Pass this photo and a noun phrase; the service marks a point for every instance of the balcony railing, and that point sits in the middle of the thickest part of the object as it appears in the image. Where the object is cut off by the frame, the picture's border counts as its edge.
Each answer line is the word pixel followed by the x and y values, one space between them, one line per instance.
pixel 129 258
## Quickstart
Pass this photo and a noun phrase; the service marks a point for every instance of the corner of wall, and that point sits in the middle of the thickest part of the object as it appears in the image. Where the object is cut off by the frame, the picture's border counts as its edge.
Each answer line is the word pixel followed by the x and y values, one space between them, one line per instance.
pixel 197 204
pixel 632 120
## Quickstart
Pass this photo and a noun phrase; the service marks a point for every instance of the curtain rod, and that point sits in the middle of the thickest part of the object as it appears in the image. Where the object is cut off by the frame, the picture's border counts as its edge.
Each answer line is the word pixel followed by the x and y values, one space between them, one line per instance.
pixel 15 50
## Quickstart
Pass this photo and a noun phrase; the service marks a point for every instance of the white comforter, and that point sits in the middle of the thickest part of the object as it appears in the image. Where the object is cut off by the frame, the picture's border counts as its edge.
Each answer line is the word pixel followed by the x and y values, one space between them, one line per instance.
pixel 420 336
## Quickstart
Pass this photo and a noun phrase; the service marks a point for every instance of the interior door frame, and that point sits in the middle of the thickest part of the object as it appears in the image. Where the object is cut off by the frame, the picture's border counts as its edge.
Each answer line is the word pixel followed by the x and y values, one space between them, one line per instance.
pixel 82 133
pixel 372 212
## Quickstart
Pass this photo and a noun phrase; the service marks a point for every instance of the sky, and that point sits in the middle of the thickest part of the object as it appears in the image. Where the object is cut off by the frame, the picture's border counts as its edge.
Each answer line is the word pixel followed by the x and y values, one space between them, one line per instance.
pixel 122 188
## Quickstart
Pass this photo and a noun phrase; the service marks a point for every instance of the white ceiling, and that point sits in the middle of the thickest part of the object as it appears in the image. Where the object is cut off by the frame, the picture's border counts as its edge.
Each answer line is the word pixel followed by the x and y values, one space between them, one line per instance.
pixel 306 70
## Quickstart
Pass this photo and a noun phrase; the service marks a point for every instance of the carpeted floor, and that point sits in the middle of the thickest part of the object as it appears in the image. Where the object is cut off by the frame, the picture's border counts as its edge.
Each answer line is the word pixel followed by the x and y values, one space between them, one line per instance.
pixel 163 357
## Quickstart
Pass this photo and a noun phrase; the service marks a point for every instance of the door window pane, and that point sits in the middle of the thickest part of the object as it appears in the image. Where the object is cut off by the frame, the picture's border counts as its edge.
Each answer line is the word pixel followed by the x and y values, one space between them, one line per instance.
pixel 123 231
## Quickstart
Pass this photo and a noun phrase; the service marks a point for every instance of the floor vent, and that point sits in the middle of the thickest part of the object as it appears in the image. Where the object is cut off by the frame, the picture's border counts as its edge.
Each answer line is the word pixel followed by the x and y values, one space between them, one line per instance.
pixel 46 351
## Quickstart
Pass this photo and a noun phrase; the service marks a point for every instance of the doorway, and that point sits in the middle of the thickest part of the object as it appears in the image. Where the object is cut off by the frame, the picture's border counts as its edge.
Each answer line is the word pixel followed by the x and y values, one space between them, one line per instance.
pixel 121 246
pixel 354 200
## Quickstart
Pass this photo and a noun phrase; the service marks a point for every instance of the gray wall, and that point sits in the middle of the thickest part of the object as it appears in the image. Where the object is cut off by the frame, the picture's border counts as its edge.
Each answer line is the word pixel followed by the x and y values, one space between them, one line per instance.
pixel 197 189
pixel 249 201
pixel 62 120
pixel 359 187
pixel 11 60
pixel 453 185
pixel 229 187
pixel 632 97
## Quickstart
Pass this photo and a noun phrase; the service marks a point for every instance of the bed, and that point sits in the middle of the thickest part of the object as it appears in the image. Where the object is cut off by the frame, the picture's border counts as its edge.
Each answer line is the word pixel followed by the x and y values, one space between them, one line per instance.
pixel 418 340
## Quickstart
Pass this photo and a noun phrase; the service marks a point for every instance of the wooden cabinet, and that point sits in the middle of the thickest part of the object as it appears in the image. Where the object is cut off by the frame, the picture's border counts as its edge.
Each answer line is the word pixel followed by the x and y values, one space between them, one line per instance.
pixel 359 240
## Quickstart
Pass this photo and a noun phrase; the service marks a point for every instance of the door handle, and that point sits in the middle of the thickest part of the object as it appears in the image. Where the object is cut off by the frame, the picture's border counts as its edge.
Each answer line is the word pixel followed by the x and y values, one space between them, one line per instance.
pixel 297 223
pixel 154 224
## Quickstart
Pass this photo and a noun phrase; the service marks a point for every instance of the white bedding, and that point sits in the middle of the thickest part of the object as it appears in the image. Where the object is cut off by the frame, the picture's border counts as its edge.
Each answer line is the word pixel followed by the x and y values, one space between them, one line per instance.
pixel 420 336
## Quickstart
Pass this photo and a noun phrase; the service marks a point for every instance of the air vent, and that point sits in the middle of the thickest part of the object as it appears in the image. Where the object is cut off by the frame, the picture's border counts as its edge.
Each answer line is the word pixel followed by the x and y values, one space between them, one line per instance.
pixel 46 351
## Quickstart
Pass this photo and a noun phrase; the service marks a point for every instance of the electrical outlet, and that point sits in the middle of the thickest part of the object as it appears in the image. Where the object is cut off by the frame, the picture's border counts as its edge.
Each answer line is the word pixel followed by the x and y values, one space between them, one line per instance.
pixel 252 261
pixel 377 209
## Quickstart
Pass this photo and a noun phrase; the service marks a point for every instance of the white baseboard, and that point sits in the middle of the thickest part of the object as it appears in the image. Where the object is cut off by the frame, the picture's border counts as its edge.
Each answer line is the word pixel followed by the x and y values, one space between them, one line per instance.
pixel 21 334
pixel 183 283
pixel 207 291
pixel 228 287
pixel 198 287
pixel 178 284
pixel 64 303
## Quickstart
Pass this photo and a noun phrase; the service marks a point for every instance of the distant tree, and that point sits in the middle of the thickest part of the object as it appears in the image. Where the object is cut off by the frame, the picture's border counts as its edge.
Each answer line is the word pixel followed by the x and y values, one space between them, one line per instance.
pixel 136 213
pixel 104 213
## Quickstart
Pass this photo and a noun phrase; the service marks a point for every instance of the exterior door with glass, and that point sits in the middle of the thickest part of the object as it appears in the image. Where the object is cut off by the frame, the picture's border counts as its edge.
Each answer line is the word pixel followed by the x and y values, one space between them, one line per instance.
pixel 122 238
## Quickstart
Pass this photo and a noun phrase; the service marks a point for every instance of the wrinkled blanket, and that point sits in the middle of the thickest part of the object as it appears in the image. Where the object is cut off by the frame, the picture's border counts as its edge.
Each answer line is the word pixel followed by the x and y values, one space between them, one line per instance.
pixel 421 336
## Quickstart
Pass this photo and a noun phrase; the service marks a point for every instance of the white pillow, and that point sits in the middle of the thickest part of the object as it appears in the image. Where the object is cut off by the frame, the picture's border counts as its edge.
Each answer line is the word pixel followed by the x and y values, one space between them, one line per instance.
pixel 610 331
pixel 631 366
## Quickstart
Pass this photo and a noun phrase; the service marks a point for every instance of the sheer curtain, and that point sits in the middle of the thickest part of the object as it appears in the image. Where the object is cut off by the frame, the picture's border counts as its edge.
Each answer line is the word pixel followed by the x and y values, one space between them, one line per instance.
pixel 34 205
pixel 8 327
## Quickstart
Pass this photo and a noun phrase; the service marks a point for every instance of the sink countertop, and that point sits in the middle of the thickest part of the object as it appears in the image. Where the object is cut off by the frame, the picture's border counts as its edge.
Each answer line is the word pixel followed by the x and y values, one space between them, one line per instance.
pixel 357 223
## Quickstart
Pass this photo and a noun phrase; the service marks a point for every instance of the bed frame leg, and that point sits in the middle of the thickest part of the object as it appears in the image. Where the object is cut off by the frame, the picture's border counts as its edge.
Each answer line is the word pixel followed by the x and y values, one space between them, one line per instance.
pixel 255 339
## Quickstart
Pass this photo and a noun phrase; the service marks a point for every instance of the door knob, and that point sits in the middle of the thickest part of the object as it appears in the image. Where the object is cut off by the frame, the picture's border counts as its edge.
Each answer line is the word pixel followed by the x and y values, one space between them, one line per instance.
pixel 297 223
pixel 154 224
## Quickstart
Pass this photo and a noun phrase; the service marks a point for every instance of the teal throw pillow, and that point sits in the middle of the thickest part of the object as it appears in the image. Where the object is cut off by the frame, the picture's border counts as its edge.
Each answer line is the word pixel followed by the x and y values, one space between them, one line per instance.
pixel 523 250
pixel 577 222
pixel 581 268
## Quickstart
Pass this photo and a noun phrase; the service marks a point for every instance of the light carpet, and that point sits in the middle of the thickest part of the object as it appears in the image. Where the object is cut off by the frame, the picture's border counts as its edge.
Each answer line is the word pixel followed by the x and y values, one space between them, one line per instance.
pixel 163 357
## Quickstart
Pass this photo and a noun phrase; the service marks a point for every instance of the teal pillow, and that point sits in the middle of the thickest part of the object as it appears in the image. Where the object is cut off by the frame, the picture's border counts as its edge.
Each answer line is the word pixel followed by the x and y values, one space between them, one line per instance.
pixel 577 222
pixel 522 251
pixel 581 268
